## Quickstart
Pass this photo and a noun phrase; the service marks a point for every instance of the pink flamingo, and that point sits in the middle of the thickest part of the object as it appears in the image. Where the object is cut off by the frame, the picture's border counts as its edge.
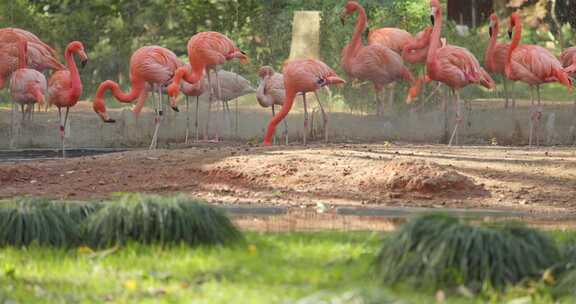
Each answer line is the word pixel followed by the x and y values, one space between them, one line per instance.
pixel 27 86
pixel 65 86
pixel 271 92
pixel 206 51
pixel 533 65
pixel 416 50
pixel 454 66
pixel 150 64
pixel 39 56
pixel 376 63
pixel 496 56
pixel 301 76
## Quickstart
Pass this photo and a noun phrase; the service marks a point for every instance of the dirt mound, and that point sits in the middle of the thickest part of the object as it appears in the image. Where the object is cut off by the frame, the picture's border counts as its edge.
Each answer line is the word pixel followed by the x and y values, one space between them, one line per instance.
pixel 23 173
pixel 414 176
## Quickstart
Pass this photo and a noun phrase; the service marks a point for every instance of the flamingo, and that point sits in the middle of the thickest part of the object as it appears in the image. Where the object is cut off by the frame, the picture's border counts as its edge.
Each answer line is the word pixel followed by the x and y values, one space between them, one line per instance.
pixel 496 55
pixel 40 56
pixel 568 59
pixel 27 86
pixel 150 64
pixel 206 50
pixel 533 65
pixel 376 63
pixel 454 66
pixel 65 86
pixel 270 92
pixel 415 51
pixel 301 76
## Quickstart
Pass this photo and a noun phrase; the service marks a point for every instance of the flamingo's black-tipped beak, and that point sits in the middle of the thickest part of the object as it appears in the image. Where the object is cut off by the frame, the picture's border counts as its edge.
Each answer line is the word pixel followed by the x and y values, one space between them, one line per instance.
pixel 110 120
pixel 490 32
pixel 432 19
pixel 510 34
pixel 83 63
pixel 175 108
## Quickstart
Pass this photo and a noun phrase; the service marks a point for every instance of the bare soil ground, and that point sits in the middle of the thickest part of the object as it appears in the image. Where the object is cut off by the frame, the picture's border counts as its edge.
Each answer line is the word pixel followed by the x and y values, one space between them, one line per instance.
pixel 541 181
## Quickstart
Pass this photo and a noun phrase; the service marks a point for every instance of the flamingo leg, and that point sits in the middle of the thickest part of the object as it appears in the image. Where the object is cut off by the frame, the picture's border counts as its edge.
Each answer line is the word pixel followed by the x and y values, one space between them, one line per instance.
pixel 391 94
pixel 12 123
pixel 63 137
pixel 378 90
pixel 454 136
pixel 157 120
pixel 512 95
pixel 196 121
pixel 210 100
pixel 274 139
pixel 237 119
pixel 506 95
pixel 531 127
pixel 305 118
pixel 539 114
pixel 324 117
pixel 223 117
pixel 187 119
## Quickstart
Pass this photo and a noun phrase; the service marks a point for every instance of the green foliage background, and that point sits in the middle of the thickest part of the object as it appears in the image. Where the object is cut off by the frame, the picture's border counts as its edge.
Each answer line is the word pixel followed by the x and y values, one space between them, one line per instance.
pixel 112 29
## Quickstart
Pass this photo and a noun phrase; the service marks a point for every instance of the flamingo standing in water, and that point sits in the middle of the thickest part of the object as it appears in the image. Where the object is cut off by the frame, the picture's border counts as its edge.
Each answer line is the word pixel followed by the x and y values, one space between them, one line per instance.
pixel 65 86
pixel 206 51
pixel 535 66
pixel 376 63
pixel 150 64
pixel 271 92
pixel 496 56
pixel 454 66
pixel 27 86
pixel 301 76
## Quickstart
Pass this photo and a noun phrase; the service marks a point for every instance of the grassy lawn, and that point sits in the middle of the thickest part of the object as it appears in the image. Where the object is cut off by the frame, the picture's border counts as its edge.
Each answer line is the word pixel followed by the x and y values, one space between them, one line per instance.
pixel 269 268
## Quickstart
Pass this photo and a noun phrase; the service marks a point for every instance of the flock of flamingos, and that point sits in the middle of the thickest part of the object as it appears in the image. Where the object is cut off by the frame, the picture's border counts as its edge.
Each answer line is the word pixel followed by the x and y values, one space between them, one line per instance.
pixel 158 70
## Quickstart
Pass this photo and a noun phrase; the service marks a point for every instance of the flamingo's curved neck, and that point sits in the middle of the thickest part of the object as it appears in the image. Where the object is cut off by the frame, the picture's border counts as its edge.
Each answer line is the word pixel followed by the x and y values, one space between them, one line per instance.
pixel 516 39
pixel 22 54
pixel 135 91
pixel 436 32
pixel 76 83
pixel 288 102
pixel 263 100
pixel 356 42
pixel 494 38
pixel 196 75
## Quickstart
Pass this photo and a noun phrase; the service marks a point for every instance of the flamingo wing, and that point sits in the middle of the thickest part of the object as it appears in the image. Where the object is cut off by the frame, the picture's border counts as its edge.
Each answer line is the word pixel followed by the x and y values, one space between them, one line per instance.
pixel 390 37
pixel 59 86
pixel 378 64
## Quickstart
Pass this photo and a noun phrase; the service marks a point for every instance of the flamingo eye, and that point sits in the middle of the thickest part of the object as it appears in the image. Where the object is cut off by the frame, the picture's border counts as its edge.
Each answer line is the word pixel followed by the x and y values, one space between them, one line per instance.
pixel 321 81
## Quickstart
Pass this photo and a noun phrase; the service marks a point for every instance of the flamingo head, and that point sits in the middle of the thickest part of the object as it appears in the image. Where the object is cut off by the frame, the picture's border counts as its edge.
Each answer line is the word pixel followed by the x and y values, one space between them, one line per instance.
pixel 265 71
pixel 514 22
pixel 78 48
pixel 100 109
pixel 493 24
pixel 435 10
pixel 348 9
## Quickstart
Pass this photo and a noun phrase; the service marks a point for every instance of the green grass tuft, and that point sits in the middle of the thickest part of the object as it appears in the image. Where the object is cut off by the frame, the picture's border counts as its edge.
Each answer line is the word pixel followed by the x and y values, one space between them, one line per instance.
pixel 438 251
pixel 152 219
pixel 27 221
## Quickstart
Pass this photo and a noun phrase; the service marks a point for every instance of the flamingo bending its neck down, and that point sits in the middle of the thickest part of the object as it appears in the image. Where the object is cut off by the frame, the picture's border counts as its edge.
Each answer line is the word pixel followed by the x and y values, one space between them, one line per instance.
pixel 496 56
pixel 271 93
pixel 154 65
pixel 65 86
pixel 376 63
pixel 206 51
pixel 454 66
pixel 301 76
pixel 535 66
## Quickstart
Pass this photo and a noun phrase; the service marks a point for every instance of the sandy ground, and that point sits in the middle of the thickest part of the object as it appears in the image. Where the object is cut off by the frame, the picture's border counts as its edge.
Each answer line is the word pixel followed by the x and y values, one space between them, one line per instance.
pixel 539 181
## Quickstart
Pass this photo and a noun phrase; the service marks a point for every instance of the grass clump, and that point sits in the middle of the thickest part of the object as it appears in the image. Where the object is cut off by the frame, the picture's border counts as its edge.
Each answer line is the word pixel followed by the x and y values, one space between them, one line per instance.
pixel 27 221
pixel 154 219
pixel 438 251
